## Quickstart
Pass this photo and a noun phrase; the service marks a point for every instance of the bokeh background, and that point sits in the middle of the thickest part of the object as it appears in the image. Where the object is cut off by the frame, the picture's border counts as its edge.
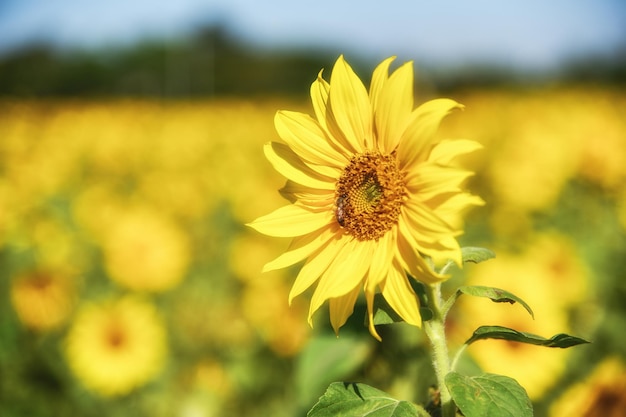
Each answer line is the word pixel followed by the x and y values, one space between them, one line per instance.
pixel 131 138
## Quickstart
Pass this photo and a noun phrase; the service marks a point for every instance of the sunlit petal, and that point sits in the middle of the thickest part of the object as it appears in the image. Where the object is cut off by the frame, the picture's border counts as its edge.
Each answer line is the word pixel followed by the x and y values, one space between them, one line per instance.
pixel 419 134
pixel 431 180
pixel 445 249
pixel 341 308
pixel 287 163
pixel 306 196
pixel 451 207
pixel 369 297
pixel 411 260
pixel 350 105
pixel 445 151
pixel 379 77
pixel 290 221
pixel 422 219
pixel 456 205
pixel 315 266
pixel 305 136
pixel 438 246
pixel 401 297
pixel 301 248
pixel 319 98
pixel 382 257
pixel 393 108
pixel 342 275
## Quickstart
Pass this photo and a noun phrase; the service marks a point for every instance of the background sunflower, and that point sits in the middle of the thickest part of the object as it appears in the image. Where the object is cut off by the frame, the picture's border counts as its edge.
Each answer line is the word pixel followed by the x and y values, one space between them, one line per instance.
pixel 116 346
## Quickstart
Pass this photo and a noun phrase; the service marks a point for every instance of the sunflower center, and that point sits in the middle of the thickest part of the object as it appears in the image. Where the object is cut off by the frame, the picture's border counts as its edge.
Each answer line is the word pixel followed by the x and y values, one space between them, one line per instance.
pixel 369 195
pixel 115 337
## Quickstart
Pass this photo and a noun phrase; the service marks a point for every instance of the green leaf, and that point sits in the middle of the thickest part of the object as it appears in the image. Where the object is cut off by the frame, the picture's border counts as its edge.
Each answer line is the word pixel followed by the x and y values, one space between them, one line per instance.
pixel 489 395
pixel 426 313
pixel 326 359
pixel 476 255
pixel 560 340
pixel 471 254
pixel 348 399
pixel 383 312
pixel 496 295
pixel 420 290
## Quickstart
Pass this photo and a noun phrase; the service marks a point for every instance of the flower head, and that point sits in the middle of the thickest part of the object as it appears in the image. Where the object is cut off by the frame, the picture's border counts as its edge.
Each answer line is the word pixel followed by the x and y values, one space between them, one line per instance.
pixel 600 394
pixel 373 192
pixel 116 346
pixel 43 299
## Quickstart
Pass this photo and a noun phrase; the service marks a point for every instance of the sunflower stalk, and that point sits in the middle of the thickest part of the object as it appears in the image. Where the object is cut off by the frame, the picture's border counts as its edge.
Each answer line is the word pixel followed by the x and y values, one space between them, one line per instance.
pixel 435 331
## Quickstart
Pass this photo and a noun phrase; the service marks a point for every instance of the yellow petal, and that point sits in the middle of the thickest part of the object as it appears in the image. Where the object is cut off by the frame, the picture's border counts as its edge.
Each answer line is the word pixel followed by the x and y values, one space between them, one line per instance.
pixel 342 307
pixel 379 77
pixel 315 266
pixel 438 246
pixel 306 196
pixel 348 267
pixel 429 180
pixel 292 220
pixel 343 274
pixel 394 107
pixel 442 251
pixel 301 248
pixel 423 219
pixel 410 259
pixel 319 98
pixel 369 296
pixel 445 151
pixel 350 105
pixel 419 134
pixel 401 297
pixel 382 257
pixel 450 208
pixel 328 171
pixel 458 203
pixel 288 164
pixel 308 140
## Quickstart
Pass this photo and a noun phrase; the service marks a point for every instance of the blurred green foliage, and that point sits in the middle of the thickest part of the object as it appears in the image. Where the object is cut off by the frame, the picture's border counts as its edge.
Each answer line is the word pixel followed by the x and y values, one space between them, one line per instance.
pixel 212 62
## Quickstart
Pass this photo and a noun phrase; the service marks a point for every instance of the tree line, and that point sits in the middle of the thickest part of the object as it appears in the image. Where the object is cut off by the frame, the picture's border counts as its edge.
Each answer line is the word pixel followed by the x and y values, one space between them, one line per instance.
pixel 212 63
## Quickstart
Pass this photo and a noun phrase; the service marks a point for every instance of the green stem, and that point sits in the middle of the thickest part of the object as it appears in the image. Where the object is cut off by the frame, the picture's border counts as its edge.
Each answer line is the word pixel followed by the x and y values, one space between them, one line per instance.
pixel 435 330
pixel 447 305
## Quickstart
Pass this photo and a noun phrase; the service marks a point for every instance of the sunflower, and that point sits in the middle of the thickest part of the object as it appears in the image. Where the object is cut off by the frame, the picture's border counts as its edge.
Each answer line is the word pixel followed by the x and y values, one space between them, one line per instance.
pixel 116 345
pixel 600 394
pixel 43 299
pixel 374 194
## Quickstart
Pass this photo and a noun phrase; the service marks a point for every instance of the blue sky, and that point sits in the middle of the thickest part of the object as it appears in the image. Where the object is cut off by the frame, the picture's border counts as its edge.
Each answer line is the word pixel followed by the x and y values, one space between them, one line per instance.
pixel 523 33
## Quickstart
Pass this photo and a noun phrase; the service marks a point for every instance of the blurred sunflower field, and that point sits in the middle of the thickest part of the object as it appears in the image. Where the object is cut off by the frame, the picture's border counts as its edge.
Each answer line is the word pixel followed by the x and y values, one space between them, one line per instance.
pixel 131 286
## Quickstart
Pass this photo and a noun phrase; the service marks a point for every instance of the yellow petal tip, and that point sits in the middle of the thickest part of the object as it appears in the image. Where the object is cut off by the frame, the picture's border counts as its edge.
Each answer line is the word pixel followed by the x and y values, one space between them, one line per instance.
pixel 374 333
